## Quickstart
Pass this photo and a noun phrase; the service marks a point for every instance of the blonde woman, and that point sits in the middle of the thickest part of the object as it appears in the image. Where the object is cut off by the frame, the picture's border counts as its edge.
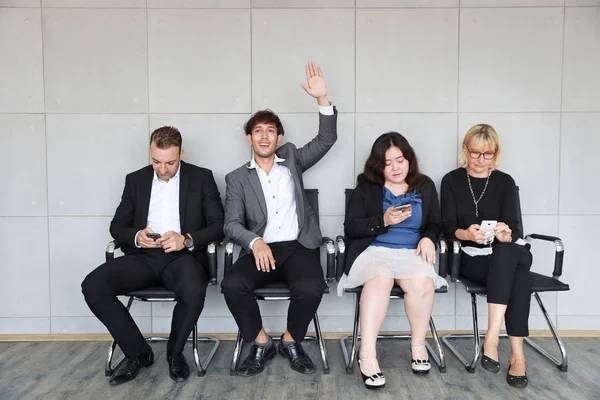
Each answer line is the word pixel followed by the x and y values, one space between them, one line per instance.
pixel 471 194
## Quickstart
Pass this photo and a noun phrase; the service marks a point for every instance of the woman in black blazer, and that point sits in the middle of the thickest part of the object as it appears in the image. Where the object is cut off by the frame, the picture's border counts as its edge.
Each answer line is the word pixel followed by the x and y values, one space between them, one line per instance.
pixel 392 223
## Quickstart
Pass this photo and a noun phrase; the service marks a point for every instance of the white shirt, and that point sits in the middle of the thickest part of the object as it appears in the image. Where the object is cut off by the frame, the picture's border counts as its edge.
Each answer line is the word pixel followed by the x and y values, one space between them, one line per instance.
pixel 163 213
pixel 280 196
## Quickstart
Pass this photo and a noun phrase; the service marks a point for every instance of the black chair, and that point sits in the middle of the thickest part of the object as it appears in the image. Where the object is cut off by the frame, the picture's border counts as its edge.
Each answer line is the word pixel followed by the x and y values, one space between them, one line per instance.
pixel 160 294
pixel 280 291
pixel 541 283
pixel 396 293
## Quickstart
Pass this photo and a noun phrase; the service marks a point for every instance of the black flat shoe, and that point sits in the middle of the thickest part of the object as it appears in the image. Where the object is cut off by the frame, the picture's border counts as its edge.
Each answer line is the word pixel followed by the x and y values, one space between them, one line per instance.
pixel 179 370
pixel 375 381
pixel 257 359
pixel 489 363
pixel 299 360
pixel 129 368
pixel 519 382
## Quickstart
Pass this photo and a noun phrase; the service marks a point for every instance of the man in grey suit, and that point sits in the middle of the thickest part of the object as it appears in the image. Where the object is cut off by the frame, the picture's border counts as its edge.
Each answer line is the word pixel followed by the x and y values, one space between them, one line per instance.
pixel 267 213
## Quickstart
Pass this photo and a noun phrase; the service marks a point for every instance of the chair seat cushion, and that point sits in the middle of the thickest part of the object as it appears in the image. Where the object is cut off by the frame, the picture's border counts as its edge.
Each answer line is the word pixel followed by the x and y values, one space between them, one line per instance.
pixel 152 292
pixel 541 283
pixel 396 290
pixel 278 289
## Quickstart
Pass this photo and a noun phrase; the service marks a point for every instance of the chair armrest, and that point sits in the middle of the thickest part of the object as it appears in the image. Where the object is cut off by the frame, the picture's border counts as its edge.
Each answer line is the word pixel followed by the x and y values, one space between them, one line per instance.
pixel 227 255
pixel 211 253
pixel 330 248
pixel 559 251
pixel 443 258
pixel 455 261
pixel 340 258
pixel 110 249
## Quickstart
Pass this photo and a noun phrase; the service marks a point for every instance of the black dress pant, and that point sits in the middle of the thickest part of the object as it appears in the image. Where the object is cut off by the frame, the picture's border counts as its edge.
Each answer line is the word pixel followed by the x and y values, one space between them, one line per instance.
pixel 299 267
pixel 506 275
pixel 178 272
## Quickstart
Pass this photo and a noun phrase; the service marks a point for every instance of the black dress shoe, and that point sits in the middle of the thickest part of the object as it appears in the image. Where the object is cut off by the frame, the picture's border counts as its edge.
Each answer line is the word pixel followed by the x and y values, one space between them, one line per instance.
pixel 130 367
pixel 299 360
pixel 179 370
pixel 489 363
pixel 257 359
pixel 516 381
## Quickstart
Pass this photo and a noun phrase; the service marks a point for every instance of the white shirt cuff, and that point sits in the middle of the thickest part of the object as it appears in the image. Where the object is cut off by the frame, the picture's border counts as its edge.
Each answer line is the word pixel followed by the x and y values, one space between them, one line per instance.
pixel 135 240
pixel 252 242
pixel 326 110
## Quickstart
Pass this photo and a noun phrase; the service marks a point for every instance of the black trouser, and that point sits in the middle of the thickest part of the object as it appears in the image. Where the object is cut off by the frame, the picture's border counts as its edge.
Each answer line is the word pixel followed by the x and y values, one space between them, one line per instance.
pixel 506 275
pixel 297 266
pixel 180 273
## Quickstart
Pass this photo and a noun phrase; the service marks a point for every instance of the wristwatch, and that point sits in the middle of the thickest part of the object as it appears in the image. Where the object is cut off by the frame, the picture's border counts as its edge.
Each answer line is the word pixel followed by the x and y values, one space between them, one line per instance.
pixel 188 242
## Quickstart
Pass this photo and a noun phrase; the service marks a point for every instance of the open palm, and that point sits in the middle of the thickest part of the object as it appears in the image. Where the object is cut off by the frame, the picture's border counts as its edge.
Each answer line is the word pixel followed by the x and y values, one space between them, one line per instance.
pixel 315 83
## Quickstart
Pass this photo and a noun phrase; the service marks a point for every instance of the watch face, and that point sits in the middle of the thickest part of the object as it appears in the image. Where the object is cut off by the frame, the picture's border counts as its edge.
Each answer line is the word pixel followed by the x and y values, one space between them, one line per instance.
pixel 188 242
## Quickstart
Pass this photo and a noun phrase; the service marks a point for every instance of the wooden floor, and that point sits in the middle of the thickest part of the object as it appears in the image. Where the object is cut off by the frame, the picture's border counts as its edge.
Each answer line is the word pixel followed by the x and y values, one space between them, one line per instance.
pixel 75 370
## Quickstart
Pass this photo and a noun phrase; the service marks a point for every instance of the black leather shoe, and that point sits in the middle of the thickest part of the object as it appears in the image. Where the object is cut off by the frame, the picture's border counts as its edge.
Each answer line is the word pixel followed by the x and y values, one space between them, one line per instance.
pixel 257 359
pixel 130 367
pixel 299 360
pixel 179 370
pixel 489 363
pixel 516 381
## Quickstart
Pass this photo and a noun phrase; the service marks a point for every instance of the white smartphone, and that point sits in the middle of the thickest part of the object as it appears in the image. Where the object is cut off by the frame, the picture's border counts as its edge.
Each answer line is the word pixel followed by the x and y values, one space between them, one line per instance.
pixel 487 228
pixel 487 225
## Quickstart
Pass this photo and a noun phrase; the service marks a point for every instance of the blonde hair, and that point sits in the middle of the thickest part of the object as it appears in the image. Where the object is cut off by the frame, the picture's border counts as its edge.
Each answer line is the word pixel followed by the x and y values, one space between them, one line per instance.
pixel 476 138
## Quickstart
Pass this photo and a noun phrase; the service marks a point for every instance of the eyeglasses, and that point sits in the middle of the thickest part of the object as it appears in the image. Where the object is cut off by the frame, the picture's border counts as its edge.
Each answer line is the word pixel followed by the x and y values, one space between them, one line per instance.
pixel 488 155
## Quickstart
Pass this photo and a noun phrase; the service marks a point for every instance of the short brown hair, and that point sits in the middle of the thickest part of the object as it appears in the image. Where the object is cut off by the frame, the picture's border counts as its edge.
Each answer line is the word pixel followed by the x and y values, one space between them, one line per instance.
pixel 165 137
pixel 263 117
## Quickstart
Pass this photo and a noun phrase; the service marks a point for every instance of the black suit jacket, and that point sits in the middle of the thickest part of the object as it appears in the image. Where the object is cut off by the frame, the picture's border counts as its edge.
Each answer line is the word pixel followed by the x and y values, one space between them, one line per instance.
pixel 364 217
pixel 200 208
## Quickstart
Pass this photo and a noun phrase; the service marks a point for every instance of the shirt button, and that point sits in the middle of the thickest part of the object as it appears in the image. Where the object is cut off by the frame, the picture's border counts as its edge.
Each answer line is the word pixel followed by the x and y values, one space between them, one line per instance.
pixel 371 229
pixel 273 196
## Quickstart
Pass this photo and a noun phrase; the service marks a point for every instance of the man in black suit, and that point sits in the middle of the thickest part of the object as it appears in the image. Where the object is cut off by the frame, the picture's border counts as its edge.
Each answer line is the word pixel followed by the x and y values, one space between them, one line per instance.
pixel 180 203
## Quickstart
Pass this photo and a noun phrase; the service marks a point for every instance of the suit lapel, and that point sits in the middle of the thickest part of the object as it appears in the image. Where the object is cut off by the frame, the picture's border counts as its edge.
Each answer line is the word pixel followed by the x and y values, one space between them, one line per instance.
pixel 183 192
pixel 375 199
pixel 257 187
pixel 145 193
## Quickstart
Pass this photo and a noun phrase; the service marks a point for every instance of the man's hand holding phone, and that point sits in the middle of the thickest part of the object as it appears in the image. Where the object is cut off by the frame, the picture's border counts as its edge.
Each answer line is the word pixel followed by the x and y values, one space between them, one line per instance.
pixel 396 214
pixel 147 239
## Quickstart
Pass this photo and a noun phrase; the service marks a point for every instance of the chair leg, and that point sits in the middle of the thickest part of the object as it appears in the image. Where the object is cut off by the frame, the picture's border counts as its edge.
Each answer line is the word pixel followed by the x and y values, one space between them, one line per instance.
pixel 321 344
pixel 108 368
pixel 349 358
pixel 237 351
pixel 201 371
pixel 438 356
pixel 561 364
pixel 469 365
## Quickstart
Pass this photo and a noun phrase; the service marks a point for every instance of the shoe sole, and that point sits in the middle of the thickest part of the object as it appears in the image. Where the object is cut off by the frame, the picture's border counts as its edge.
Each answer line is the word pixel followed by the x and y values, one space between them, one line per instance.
pixel 284 354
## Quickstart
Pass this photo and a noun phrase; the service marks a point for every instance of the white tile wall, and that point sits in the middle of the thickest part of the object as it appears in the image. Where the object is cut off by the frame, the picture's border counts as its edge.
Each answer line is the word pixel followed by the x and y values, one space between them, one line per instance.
pixel 83 82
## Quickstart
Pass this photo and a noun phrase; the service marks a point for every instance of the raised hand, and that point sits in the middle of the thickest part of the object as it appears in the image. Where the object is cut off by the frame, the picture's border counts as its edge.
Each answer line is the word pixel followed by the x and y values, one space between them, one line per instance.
pixel 315 83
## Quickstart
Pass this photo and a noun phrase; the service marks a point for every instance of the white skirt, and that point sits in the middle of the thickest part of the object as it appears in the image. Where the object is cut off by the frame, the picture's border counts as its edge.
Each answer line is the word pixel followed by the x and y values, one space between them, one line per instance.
pixel 391 263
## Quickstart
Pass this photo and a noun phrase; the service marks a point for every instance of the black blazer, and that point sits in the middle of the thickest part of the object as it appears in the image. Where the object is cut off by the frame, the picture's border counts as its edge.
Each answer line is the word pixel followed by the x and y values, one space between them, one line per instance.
pixel 364 217
pixel 200 208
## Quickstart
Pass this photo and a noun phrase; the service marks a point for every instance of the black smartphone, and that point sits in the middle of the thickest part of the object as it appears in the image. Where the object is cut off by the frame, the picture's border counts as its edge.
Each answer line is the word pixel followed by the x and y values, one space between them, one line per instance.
pixel 153 235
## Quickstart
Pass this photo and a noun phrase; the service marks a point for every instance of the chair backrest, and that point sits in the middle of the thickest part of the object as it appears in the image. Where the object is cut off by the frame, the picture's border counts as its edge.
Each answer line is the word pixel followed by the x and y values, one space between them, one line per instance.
pixel 312 195
pixel 348 192
pixel 519 215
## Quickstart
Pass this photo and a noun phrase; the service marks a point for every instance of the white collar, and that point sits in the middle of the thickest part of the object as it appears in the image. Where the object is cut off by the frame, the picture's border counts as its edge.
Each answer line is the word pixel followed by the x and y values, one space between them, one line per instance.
pixel 176 176
pixel 253 164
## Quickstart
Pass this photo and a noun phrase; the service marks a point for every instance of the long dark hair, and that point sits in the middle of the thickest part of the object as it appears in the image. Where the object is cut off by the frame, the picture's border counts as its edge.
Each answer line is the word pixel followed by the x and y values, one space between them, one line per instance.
pixel 375 164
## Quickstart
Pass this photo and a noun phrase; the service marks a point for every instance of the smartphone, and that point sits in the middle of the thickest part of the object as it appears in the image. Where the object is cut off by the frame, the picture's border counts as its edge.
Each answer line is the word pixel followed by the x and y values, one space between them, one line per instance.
pixel 403 208
pixel 487 228
pixel 153 235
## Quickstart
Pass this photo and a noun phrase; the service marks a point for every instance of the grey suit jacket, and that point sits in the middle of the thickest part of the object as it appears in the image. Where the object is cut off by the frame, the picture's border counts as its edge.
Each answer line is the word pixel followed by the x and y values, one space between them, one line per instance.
pixel 245 205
